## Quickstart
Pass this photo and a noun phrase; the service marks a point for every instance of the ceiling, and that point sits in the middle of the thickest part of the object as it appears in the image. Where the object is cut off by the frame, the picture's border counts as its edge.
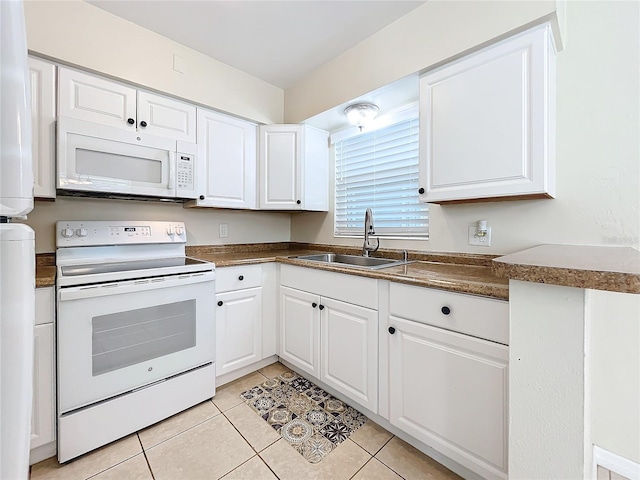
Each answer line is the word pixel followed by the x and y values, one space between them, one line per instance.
pixel 277 41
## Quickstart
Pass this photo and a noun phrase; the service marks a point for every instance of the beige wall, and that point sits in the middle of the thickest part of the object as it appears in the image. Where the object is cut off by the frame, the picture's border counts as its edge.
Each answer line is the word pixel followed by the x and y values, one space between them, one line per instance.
pixel 598 141
pixel 202 223
pixel 615 372
pixel 78 33
pixel 427 36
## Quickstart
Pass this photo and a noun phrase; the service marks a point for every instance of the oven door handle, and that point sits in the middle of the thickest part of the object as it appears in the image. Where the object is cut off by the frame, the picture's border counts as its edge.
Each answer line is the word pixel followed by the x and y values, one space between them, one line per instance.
pixel 128 286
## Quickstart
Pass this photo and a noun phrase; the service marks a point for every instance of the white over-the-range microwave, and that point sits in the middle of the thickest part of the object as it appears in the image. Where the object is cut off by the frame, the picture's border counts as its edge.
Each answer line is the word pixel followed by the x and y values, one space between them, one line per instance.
pixel 98 159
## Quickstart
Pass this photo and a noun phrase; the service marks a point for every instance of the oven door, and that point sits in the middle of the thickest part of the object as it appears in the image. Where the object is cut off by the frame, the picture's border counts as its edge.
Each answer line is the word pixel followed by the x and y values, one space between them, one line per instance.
pixel 114 338
pixel 98 158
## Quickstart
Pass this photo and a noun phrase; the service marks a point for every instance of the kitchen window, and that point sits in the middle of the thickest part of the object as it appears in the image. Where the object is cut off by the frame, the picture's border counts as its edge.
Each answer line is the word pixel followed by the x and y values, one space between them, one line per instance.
pixel 378 169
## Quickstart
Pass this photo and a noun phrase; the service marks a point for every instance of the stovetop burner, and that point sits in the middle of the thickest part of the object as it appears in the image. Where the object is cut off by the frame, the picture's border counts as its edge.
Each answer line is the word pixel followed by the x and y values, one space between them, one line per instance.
pixel 95 269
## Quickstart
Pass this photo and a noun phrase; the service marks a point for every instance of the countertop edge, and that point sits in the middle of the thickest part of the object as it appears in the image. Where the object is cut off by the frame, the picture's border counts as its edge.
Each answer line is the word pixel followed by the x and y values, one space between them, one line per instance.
pixel 541 265
pixel 472 288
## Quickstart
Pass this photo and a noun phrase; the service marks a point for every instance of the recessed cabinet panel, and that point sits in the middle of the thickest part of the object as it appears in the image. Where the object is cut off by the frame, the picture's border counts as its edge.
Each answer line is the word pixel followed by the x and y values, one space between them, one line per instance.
pixel 450 391
pixel 166 117
pixel 487 123
pixel 42 77
pixel 238 329
pixel 493 137
pixel 94 99
pixel 294 168
pixel 300 329
pixel 280 150
pixel 228 160
pixel 349 339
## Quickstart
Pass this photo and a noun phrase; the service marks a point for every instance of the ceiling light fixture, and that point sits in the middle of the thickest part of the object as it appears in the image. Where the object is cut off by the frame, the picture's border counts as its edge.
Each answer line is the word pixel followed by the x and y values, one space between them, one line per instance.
pixel 361 114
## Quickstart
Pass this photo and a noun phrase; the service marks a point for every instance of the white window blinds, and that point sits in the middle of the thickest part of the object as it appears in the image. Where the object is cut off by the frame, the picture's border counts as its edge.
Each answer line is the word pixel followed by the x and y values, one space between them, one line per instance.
pixel 379 170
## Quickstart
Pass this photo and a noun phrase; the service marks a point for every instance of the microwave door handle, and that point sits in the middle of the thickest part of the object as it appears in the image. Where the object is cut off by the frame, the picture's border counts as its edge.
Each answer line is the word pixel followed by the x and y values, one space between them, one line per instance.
pixel 172 169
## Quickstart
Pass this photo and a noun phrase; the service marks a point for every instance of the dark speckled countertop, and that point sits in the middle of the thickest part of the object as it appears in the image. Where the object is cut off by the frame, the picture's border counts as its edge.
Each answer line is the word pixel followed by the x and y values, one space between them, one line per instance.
pixel 463 273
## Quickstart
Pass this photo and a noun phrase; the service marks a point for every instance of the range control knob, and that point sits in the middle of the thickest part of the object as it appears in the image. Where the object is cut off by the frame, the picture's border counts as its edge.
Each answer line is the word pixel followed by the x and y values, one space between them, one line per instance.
pixel 179 231
pixel 170 231
pixel 81 232
pixel 66 232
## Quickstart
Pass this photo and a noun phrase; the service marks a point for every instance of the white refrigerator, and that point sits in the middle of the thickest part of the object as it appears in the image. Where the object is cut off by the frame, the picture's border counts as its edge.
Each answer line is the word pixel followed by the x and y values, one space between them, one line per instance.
pixel 17 247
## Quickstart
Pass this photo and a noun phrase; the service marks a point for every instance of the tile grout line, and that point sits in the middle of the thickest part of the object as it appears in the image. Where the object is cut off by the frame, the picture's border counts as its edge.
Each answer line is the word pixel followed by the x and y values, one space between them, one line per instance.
pixel 365 464
pixel 266 463
pixel 179 433
pixel 382 462
pixel 383 445
pixel 144 452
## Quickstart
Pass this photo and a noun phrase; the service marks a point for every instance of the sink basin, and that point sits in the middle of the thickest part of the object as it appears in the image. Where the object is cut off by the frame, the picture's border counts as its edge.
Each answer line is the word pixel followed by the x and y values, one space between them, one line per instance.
pixel 371 263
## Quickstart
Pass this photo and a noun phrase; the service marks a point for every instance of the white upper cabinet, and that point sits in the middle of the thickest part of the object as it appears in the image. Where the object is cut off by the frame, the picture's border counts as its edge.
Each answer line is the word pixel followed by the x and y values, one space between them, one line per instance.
pixel 95 99
pixel 294 168
pixel 166 117
pixel 487 123
pixel 42 77
pixel 227 161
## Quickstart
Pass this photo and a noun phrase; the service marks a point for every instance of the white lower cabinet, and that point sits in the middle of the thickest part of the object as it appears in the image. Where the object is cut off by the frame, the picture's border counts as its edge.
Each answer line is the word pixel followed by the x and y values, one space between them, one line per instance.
pixel 239 318
pixel 238 329
pixel 43 418
pixel 349 350
pixel 300 329
pixel 448 389
pixel 327 334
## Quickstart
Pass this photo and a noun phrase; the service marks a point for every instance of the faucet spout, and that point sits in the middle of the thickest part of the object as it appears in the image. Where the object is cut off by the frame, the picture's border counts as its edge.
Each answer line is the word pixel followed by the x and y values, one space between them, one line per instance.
pixel 368 230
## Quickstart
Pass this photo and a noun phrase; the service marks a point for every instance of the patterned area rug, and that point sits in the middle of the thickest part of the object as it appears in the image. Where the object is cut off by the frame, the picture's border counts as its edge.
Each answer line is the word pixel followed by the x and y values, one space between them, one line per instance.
pixel 310 419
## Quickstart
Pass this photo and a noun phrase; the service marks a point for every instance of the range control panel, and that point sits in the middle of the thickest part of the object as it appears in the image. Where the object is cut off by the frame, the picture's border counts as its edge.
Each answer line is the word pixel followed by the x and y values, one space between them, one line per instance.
pixel 128 232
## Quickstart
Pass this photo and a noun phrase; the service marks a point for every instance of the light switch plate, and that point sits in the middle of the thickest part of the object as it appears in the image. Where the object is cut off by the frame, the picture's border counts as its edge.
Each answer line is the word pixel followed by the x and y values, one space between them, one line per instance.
pixel 474 239
pixel 224 230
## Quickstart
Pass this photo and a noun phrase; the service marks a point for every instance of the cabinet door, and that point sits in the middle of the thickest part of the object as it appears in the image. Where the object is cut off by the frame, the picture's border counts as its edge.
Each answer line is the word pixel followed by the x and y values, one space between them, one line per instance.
pixel 166 117
pixel 280 172
pixel 238 329
pixel 42 76
pixel 300 329
pixel 227 161
pixel 43 410
pixel 349 350
pixel 487 123
pixel 449 391
pixel 97 100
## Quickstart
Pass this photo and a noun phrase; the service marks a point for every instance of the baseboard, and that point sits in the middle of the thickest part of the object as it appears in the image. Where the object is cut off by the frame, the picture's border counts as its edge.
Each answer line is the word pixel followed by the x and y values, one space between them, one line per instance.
pixel 615 463
pixel 241 372
pixel 42 452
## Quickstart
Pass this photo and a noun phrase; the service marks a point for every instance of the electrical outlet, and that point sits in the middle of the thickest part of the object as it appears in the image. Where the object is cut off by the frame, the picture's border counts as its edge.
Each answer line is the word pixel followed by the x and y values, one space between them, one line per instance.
pixel 224 230
pixel 474 239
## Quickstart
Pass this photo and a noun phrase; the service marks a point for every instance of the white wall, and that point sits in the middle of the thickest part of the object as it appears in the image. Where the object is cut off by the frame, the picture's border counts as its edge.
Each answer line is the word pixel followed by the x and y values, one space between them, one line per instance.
pixel 426 36
pixel 598 131
pixel 80 34
pixel 547 382
pixel 202 223
pixel 615 372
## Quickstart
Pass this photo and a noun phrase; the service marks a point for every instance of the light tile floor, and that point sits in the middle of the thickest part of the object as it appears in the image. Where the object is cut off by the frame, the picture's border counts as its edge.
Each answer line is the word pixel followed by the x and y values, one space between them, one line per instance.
pixel 224 438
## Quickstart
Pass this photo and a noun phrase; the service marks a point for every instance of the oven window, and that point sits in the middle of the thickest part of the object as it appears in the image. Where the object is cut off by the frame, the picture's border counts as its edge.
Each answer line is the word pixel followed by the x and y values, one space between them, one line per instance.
pixel 127 338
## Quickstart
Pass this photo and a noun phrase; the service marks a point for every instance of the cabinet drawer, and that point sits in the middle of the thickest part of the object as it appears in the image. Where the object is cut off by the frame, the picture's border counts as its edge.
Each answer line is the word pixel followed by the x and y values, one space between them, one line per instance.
pixel 348 288
pixel 44 305
pixel 480 317
pixel 238 278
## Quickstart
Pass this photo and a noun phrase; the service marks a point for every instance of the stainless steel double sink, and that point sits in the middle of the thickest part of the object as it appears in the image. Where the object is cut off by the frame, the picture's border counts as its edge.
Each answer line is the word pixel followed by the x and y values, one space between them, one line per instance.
pixel 370 263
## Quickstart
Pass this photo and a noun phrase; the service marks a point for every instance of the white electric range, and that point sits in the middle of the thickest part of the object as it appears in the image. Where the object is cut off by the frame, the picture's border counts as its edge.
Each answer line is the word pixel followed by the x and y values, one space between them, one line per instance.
pixel 135 329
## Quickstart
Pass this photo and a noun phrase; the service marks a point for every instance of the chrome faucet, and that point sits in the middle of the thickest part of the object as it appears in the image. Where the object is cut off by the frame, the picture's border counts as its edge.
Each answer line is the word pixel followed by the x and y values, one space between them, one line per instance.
pixel 368 230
